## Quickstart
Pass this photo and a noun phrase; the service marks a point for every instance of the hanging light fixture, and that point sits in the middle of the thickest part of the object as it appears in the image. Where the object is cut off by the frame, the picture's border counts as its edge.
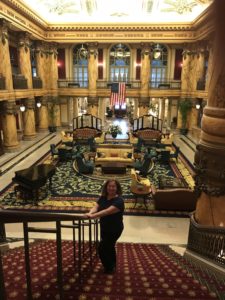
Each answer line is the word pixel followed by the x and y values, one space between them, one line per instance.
pixel 157 52
pixel 22 107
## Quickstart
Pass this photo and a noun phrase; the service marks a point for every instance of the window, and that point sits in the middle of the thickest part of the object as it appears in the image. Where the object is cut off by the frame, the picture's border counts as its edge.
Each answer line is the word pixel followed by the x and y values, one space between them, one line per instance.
pixel 80 65
pixel 158 65
pixel 119 62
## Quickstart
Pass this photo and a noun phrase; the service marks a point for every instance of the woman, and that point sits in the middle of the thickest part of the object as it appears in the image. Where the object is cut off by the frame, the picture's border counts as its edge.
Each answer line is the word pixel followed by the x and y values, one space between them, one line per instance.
pixel 109 209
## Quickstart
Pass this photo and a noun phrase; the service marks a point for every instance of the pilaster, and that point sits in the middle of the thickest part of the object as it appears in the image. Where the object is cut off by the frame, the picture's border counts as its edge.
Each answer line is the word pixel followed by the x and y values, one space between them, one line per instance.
pixel 24 57
pixel 5 68
pixel 10 139
pixel 29 119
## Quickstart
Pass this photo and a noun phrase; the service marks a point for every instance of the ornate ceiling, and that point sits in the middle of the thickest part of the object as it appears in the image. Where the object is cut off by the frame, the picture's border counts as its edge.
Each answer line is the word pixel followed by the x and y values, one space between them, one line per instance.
pixel 117 11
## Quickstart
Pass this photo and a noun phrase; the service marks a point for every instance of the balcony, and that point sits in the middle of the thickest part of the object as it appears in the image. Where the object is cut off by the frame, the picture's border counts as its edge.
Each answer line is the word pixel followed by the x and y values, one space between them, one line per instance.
pixel 2 82
pixel 37 83
pixel 165 84
pixel 104 84
pixel 19 82
pixel 72 83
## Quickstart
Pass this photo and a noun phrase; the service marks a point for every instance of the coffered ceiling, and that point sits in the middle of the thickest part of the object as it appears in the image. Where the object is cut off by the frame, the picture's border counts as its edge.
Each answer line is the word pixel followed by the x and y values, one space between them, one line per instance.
pixel 117 11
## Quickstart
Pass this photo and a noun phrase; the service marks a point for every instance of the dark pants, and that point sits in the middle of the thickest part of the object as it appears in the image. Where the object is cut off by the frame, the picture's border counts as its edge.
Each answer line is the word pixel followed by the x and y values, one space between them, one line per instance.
pixel 106 249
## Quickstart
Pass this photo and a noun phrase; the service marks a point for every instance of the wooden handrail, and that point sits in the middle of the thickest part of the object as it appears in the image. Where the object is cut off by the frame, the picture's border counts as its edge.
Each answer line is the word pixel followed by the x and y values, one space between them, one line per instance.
pixel 17 216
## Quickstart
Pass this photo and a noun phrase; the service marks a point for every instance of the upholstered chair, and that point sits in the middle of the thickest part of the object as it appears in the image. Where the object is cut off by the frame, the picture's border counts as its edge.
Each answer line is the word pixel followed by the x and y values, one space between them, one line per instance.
pixel 140 187
pixel 84 167
pixel 143 165
pixel 100 139
pixel 175 153
pixel 54 151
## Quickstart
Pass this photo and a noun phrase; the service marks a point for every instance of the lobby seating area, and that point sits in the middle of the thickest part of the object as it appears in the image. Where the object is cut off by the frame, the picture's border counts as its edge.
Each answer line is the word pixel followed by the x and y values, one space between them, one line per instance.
pixel 81 135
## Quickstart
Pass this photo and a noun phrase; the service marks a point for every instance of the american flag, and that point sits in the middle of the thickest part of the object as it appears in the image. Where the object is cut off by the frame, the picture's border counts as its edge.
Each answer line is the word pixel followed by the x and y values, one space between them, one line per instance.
pixel 118 90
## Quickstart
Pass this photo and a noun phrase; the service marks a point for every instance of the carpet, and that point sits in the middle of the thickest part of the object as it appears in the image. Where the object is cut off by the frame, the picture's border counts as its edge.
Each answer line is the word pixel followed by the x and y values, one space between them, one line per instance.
pixel 144 271
pixel 74 192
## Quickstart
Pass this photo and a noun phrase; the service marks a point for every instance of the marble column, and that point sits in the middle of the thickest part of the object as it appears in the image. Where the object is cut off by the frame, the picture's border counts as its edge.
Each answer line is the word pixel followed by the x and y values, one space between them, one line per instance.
pixel 5 68
pixel 168 123
pixel 29 131
pixel 145 77
pixel 92 78
pixel 75 107
pixel 10 139
pixel 53 67
pixel 92 106
pixel 162 110
pixel 24 57
pixel 143 106
pixel 43 114
pixel 210 153
pixel 39 53
pixel 185 70
pixel 136 109
pixel 102 110
pixel 70 110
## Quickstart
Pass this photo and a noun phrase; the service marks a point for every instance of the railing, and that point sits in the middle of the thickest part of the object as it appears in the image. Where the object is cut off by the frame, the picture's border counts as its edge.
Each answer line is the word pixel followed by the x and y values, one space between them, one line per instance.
pixel 104 84
pixel 19 82
pixel 2 83
pixel 79 223
pixel 37 83
pixel 147 122
pixel 200 85
pixel 165 84
pixel 207 241
pixel 72 83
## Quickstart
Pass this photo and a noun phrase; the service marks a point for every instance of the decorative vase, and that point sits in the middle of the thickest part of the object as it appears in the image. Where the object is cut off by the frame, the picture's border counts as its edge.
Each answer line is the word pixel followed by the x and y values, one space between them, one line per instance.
pixel 114 135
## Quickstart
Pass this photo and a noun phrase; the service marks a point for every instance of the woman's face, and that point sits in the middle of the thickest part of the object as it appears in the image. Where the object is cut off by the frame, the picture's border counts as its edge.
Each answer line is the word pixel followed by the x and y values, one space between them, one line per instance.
pixel 111 188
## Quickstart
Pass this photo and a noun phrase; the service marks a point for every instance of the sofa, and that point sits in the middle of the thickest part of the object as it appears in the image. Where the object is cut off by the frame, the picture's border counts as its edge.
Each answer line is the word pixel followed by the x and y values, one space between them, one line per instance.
pixel 149 135
pixel 179 199
pixel 124 156
pixel 81 135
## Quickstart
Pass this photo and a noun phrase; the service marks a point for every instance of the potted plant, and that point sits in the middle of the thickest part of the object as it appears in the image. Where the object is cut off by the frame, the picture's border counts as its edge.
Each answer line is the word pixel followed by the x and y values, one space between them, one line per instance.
pixel 114 130
pixel 184 107
pixel 52 113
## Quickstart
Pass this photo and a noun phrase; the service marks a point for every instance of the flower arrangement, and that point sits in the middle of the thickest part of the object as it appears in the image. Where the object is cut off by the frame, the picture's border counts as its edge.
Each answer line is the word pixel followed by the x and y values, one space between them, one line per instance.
pixel 114 130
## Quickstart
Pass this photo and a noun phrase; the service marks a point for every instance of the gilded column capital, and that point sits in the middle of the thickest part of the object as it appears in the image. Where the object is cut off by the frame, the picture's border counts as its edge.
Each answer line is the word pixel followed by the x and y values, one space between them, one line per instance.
pixel 53 49
pixel 24 40
pixel 29 103
pixel 8 108
pixel 92 101
pixel 4 25
pixel 146 49
pixel 44 100
pixel 143 102
pixel 92 49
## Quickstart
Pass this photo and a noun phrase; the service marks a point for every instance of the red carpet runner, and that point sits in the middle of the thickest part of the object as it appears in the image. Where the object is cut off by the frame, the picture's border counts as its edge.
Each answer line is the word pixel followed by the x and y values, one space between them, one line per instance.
pixel 144 272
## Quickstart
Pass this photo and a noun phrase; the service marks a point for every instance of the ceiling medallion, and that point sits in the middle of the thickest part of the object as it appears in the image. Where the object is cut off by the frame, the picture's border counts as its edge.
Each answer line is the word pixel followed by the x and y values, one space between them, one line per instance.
pixel 61 7
pixel 180 6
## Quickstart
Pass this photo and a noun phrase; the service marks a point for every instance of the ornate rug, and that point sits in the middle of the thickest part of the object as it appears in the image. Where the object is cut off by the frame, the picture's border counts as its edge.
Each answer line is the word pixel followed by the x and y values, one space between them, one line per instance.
pixel 74 192
pixel 144 271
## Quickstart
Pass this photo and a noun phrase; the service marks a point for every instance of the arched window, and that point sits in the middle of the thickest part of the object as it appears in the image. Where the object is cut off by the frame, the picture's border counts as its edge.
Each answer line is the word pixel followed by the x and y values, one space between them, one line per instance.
pixel 80 65
pixel 119 63
pixel 158 65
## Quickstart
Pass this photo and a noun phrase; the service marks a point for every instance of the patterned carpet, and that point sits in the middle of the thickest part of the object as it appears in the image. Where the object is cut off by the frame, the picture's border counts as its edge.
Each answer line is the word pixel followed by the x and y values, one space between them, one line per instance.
pixel 144 272
pixel 74 192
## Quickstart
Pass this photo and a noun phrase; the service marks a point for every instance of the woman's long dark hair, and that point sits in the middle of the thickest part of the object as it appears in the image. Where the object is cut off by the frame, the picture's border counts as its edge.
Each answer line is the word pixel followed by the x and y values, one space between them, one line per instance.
pixel 118 187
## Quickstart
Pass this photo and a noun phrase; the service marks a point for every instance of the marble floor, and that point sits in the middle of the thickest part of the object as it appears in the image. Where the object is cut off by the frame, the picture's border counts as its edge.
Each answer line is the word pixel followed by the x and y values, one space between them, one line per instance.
pixel 141 229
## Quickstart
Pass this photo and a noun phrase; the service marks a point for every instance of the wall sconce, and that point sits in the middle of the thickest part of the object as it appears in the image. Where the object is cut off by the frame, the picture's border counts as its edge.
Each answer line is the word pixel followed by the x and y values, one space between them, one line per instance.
pixel 38 104
pixel 197 106
pixel 22 107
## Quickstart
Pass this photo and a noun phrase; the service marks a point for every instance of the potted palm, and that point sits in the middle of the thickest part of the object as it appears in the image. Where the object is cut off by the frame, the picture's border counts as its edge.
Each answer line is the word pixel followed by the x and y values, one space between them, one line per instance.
pixel 114 130
pixel 184 107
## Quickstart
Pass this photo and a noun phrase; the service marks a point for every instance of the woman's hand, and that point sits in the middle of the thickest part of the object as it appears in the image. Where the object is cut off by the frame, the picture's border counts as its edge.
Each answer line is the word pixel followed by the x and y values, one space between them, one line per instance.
pixel 89 216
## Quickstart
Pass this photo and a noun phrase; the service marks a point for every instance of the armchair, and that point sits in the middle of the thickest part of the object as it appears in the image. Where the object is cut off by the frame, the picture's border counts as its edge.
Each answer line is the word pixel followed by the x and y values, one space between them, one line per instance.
pixel 144 165
pixel 54 151
pixel 140 187
pixel 175 154
pixel 100 139
pixel 84 167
